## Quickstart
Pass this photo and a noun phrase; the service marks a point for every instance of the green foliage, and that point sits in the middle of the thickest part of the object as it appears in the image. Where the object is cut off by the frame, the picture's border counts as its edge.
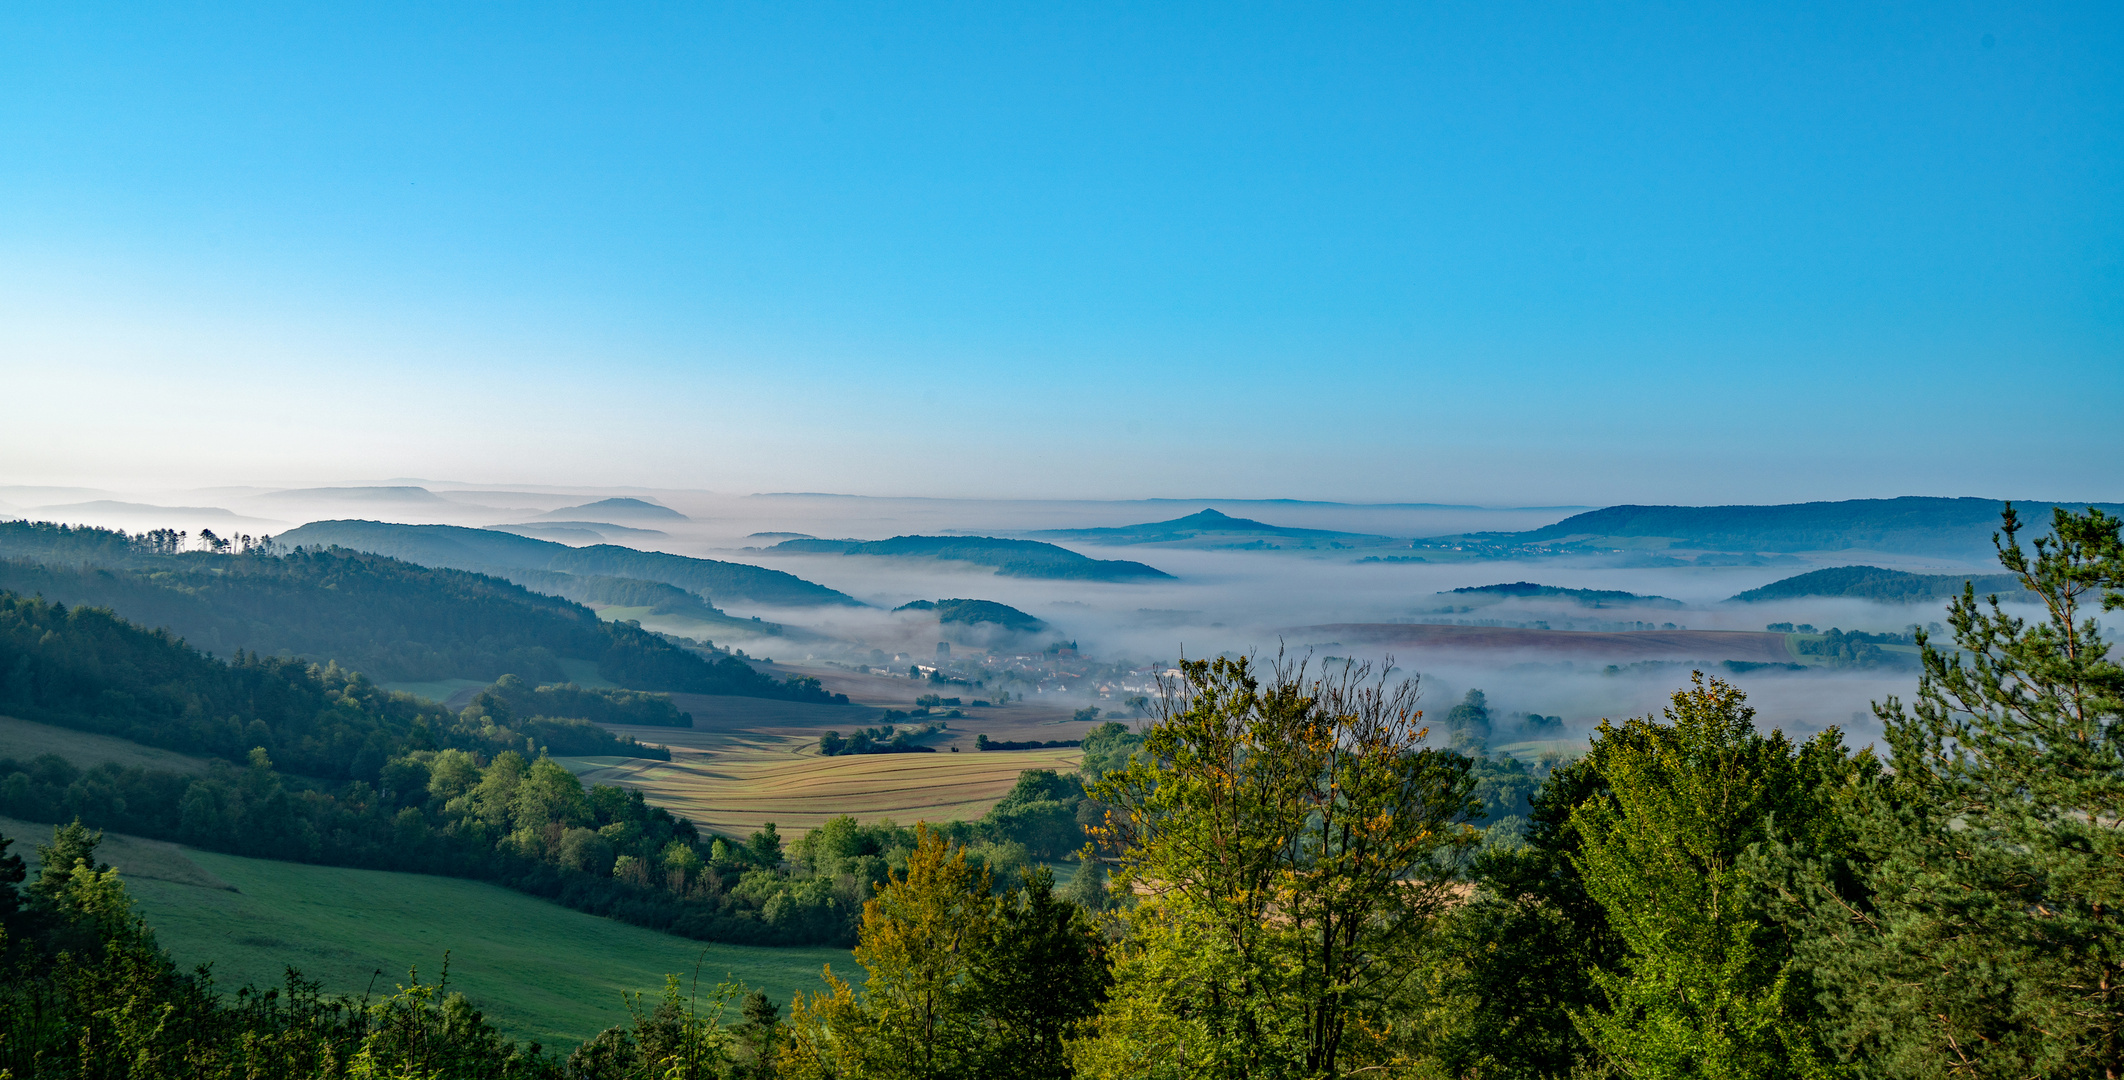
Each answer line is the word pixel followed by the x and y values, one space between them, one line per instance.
pixel 675 1040
pixel 659 597
pixel 983 742
pixel 87 992
pixel 524 823
pixel 392 620
pixel 877 740
pixel 974 612
pixel 1973 929
pixel 1469 721
pixel 1044 812
pixel 1108 747
pixel 1515 963
pixel 569 701
pixel 84 668
pixel 1883 586
pixel 1296 848
pixel 1703 987
pixel 1856 649
pixel 1038 974
pixel 1505 789
pixel 961 982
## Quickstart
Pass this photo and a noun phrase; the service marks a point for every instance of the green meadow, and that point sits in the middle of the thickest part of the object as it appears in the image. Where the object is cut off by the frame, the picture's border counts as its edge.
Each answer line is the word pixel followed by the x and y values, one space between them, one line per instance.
pixel 538 970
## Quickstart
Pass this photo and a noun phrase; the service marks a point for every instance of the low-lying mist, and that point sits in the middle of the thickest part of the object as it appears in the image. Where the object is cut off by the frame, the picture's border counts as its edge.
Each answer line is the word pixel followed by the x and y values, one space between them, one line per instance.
pixel 1218 601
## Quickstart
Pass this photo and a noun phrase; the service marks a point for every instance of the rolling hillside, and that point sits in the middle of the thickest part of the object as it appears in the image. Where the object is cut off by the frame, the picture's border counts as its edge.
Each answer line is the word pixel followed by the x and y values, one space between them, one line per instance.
pixel 538 970
pixel 1010 558
pixel 391 620
pixel 1211 529
pixel 511 556
pixel 1885 586
pixel 1955 528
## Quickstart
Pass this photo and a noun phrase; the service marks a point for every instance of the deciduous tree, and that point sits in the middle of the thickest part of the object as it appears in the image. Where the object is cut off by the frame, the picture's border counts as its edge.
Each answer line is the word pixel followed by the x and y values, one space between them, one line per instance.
pixel 1293 842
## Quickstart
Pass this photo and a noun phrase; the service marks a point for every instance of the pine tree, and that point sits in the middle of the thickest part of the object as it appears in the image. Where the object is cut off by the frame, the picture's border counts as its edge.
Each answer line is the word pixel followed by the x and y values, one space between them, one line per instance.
pixel 1976 930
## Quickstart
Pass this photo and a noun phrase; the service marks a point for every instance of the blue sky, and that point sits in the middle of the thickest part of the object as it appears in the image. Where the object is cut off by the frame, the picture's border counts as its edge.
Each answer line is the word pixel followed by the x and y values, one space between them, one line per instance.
pixel 1500 253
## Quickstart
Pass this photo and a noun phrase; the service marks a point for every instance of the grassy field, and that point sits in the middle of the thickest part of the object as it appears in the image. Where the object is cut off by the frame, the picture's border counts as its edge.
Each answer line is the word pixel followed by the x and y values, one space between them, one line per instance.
pixel 538 970
pixel 1531 751
pixel 436 690
pixel 23 740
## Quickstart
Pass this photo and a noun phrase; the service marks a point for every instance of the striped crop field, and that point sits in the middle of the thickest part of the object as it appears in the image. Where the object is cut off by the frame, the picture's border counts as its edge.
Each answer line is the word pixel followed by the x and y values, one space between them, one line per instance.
pixel 735 783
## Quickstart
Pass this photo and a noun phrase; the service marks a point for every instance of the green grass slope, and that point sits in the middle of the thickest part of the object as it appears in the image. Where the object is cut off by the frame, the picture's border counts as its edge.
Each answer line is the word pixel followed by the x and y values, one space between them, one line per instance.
pixel 540 971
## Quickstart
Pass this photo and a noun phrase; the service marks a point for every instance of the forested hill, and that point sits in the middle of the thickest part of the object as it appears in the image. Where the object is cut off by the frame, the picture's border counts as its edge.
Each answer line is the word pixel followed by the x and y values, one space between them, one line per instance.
pixel 1583 597
pixel 1206 522
pixel 507 555
pixel 391 620
pixel 1885 586
pixel 1010 558
pixel 87 669
pixel 974 612
pixel 1959 528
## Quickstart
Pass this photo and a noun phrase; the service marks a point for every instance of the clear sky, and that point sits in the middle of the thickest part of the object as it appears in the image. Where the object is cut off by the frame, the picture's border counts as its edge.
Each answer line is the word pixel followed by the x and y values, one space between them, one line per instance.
pixel 1497 253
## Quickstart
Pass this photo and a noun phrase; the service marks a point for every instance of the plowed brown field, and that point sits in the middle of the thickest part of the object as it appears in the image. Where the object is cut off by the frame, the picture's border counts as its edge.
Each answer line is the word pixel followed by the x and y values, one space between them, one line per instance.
pixel 1710 645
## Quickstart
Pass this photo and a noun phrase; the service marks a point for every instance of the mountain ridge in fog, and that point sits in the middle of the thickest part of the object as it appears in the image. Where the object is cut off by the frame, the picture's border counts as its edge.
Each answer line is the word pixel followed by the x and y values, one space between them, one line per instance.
pixel 509 555
pixel 1916 524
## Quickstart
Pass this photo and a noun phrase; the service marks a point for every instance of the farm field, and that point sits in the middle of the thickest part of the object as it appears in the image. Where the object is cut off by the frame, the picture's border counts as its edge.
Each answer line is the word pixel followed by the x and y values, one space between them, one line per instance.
pixel 25 740
pixel 733 783
pixel 538 970
pixel 749 761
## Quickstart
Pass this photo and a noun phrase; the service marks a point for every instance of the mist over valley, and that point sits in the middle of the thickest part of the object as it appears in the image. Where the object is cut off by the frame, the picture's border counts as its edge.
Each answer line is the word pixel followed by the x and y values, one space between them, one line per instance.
pixel 1554 611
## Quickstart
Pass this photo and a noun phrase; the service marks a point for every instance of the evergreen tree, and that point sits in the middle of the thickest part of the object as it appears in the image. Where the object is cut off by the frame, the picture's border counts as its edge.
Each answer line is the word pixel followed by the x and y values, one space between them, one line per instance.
pixel 1975 930
pixel 1516 962
pixel 1040 972
pixel 1703 987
